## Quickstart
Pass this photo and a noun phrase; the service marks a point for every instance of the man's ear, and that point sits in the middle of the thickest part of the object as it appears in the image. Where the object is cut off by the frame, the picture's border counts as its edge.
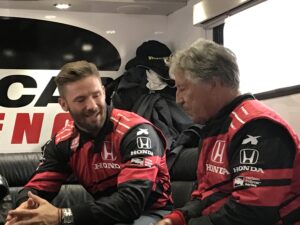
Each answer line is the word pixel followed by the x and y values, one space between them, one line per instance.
pixel 216 82
pixel 63 104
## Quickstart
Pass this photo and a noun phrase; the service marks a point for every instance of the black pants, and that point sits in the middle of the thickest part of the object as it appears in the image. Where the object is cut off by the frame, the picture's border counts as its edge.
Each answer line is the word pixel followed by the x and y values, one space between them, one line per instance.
pixel 149 217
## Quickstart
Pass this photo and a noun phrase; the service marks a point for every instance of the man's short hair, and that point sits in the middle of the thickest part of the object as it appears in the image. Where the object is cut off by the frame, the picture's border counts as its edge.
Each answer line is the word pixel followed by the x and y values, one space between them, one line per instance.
pixel 206 59
pixel 74 71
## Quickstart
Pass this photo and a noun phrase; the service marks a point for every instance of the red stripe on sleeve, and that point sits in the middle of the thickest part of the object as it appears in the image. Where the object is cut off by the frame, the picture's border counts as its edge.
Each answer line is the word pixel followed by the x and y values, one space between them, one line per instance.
pixel 129 173
pixel 206 194
pixel 47 181
pixel 262 196
pixel 214 207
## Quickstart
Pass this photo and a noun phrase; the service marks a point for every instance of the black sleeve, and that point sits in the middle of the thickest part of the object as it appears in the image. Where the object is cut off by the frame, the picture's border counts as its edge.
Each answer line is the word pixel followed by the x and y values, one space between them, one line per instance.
pixel 261 158
pixel 142 141
pixel 142 151
pixel 51 173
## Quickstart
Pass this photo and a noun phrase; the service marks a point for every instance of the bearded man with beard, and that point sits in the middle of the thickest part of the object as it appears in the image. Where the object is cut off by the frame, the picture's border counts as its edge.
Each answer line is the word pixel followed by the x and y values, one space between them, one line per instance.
pixel 118 157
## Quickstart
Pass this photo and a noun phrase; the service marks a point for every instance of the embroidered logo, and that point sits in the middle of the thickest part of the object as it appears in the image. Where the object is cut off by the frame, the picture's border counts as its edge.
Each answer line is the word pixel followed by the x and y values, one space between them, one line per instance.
pixel 251 139
pixel 107 151
pixel 249 156
pixel 143 142
pixel 218 151
pixel 142 131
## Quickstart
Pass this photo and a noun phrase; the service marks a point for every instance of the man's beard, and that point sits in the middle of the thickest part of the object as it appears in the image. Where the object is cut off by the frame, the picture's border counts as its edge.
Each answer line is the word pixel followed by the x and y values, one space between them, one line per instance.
pixel 82 120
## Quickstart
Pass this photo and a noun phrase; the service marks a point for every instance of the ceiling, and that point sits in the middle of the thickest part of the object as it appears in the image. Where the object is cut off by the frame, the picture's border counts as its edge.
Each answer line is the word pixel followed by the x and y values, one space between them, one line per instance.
pixel 146 7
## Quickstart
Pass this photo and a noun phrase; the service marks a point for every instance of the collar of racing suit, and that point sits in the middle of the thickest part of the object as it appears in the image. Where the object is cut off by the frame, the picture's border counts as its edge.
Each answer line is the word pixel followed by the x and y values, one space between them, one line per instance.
pixel 226 110
pixel 98 140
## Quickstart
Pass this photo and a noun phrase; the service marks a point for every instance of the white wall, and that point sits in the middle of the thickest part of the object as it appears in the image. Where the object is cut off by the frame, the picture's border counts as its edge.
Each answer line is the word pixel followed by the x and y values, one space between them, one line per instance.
pixel 288 107
pixel 181 32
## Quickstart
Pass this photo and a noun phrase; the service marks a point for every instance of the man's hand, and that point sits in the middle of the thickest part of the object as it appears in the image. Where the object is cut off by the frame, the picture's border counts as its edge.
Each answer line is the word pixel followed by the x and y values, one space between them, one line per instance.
pixel 29 204
pixel 165 221
pixel 34 211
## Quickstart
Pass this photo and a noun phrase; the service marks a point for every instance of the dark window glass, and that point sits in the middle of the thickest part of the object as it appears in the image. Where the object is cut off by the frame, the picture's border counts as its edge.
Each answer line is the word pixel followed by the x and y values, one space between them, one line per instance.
pixel 218 35
pixel 37 44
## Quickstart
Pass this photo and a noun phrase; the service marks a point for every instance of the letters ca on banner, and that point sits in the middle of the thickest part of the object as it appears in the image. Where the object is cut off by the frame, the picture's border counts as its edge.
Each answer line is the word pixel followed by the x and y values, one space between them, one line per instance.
pixel 29 112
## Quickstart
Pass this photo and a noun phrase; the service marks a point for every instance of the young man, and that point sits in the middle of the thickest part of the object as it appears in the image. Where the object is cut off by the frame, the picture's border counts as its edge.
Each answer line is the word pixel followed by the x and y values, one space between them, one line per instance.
pixel 249 165
pixel 118 156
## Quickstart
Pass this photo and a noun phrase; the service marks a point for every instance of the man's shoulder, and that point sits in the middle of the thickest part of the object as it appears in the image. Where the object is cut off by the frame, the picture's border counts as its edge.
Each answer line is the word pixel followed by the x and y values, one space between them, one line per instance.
pixel 64 134
pixel 126 118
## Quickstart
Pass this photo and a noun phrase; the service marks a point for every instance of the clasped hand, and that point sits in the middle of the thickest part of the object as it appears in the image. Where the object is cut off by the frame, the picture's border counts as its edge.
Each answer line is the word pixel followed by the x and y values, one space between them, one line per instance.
pixel 34 211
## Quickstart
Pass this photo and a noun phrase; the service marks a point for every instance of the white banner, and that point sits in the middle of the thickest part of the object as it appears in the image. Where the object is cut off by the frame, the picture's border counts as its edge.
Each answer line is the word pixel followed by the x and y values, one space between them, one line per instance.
pixel 29 112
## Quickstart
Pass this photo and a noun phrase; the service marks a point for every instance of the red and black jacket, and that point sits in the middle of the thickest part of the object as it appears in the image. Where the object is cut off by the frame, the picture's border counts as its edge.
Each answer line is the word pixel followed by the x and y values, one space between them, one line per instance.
pixel 124 168
pixel 248 170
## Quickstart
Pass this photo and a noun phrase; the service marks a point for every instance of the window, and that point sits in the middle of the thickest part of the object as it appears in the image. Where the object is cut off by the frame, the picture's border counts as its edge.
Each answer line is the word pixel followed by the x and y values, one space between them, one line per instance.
pixel 265 39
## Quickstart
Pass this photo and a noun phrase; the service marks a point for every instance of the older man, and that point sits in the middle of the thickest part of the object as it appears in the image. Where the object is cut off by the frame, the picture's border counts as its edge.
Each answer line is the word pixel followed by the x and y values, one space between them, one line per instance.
pixel 248 166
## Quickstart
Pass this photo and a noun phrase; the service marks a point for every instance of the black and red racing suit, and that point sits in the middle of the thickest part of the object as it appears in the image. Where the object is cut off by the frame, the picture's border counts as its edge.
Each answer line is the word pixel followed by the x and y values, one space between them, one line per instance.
pixel 248 170
pixel 124 168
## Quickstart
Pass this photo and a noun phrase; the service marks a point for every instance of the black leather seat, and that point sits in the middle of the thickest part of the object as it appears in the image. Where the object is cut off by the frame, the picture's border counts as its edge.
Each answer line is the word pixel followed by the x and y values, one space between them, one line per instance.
pixel 17 168
pixel 183 175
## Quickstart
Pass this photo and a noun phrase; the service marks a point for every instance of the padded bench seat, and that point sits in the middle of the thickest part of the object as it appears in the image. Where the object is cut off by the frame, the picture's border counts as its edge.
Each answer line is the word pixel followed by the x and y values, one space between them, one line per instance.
pixel 17 168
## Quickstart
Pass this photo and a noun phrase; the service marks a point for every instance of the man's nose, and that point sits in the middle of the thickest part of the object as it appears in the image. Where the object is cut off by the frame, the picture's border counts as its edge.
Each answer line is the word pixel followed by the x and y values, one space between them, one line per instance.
pixel 91 104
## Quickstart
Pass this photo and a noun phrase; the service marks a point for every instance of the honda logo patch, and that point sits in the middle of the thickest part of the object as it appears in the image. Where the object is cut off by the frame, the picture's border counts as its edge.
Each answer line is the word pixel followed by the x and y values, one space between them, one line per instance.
pixel 143 142
pixel 218 152
pixel 249 156
pixel 107 151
